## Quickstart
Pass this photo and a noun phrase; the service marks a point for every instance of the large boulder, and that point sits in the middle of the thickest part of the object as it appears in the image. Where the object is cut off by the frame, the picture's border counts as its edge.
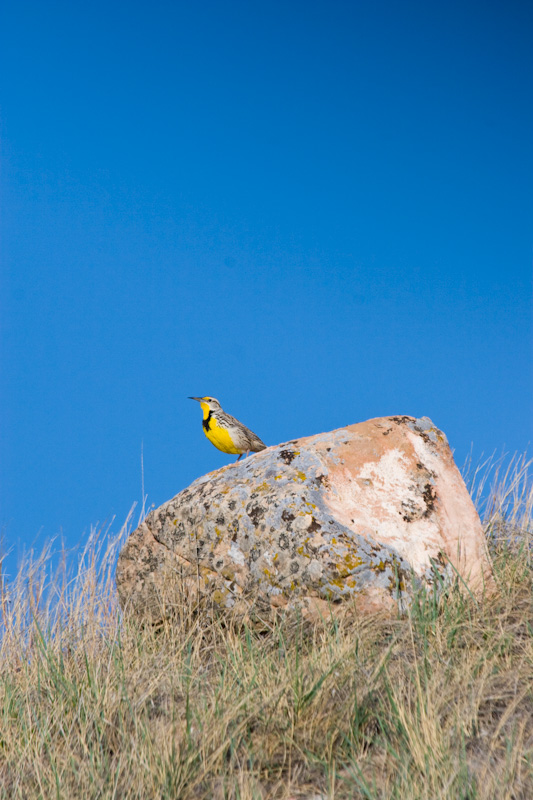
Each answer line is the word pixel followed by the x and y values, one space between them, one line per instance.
pixel 371 512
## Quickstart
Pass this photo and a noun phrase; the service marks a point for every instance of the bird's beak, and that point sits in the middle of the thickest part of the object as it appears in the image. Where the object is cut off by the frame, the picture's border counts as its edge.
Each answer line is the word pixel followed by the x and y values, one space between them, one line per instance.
pixel 195 398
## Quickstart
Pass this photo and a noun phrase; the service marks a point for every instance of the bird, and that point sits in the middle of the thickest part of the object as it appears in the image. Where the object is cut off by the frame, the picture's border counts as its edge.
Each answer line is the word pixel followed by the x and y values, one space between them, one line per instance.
pixel 226 432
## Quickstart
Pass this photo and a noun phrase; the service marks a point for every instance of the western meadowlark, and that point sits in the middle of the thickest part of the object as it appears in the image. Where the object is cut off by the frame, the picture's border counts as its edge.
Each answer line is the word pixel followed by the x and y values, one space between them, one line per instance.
pixel 226 432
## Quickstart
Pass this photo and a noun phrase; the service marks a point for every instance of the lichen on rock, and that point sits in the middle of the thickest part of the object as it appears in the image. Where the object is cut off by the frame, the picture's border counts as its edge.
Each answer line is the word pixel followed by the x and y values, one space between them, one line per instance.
pixel 371 512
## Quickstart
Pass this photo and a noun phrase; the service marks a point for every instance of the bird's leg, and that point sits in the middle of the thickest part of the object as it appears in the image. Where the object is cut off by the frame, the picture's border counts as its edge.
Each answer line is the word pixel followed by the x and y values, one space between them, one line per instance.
pixel 238 457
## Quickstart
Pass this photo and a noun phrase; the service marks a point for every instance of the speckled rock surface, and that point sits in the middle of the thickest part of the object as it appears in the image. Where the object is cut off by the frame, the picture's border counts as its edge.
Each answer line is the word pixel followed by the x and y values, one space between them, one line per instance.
pixel 365 512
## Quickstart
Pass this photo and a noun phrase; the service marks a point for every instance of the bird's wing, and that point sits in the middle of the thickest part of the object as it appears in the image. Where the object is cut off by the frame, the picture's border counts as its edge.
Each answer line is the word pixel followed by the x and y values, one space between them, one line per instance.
pixel 250 439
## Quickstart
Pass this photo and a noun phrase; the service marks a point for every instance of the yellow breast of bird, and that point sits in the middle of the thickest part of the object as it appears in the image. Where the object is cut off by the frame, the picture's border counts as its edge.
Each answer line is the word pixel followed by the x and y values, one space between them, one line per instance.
pixel 220 437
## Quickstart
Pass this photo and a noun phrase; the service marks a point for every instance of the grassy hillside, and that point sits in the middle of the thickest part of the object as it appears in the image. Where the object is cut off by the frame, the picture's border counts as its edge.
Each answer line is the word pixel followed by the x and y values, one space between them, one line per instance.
pixel 436 705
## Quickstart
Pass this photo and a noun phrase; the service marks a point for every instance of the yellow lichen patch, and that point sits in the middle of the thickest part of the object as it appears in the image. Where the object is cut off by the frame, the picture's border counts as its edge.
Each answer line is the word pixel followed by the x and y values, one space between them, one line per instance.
pixel 219 597
pixel 300 476
pixel 328 590
pixel 227 573
pixel 345 564
pixel 381 567
pixel 352 561
pixel 263 487
pixel 271 577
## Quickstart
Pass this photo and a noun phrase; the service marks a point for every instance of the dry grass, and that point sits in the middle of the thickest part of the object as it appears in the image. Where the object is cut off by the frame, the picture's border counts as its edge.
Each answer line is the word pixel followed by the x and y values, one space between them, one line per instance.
pixel 436 705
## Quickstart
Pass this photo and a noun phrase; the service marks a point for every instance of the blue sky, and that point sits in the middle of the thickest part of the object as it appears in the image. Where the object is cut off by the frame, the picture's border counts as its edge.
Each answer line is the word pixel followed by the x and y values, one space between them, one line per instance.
pixel 317 212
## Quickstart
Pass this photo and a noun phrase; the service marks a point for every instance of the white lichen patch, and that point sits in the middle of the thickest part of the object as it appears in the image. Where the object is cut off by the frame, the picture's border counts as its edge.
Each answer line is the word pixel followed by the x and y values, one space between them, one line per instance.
pixel 235 554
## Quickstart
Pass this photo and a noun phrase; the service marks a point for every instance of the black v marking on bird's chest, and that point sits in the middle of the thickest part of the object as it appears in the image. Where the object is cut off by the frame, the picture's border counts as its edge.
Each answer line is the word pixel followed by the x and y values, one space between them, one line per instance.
pixel 207 420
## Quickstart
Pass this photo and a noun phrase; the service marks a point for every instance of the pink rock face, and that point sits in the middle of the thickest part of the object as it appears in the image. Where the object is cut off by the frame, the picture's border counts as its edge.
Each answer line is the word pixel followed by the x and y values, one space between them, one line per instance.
pixel 371 512
pixel 406 488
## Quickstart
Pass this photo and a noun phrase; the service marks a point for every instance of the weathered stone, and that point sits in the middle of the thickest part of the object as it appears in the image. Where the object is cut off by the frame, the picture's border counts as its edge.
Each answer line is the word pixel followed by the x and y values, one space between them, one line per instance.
pixel 370 511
